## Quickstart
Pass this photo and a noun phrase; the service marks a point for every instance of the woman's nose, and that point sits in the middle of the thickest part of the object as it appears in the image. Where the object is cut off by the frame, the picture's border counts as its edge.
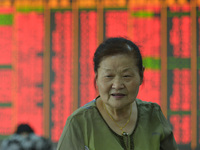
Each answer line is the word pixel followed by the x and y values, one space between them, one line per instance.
pixel 117 84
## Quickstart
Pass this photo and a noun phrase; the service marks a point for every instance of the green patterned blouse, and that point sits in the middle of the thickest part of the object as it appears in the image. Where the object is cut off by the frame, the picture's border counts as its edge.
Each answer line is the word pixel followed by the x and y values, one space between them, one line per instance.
pixel 85 129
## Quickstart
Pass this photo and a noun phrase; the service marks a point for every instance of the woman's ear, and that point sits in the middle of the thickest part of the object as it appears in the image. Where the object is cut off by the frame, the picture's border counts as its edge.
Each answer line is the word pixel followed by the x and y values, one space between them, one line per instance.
pixel 142 75
pixel 95 84
pixel 96 76
pixel 95 81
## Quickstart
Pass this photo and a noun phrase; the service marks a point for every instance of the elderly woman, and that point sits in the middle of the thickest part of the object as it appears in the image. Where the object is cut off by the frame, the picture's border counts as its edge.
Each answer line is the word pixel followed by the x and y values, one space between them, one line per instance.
pixel 116 119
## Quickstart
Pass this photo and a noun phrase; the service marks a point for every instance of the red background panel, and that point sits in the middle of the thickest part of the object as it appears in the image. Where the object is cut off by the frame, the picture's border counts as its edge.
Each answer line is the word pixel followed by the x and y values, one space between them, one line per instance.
pixel 88 45
pixel 116 23
pixel 180 99
pixel 150 88
pixel 181 128
pixel 61 86
pixel 29 69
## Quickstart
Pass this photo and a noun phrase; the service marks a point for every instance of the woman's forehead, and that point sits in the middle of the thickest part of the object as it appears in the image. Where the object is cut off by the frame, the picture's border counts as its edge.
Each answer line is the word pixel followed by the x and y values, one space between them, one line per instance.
pixel 117 60
pixel 122 69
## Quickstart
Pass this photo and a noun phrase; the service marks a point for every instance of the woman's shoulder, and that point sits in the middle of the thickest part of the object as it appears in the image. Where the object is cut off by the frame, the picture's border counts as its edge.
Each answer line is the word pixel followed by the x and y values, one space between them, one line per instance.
pixel 149 110
pixel 147 105
pixel 85 110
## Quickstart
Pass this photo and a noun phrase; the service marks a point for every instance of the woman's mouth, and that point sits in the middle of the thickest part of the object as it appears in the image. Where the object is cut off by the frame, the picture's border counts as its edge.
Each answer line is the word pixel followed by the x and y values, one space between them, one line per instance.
pixel 118 95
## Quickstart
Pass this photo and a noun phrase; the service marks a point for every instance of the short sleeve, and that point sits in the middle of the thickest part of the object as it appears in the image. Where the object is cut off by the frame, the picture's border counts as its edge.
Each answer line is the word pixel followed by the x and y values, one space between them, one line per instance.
pixel 72 137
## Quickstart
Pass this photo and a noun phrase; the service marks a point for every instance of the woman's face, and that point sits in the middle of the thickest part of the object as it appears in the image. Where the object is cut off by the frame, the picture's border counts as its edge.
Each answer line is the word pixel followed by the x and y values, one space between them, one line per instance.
pixel 118 80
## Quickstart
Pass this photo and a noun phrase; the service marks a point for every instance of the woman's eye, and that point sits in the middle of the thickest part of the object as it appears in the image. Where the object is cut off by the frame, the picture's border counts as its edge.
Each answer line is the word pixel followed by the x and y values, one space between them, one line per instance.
pixel 109 76
pixel 126 76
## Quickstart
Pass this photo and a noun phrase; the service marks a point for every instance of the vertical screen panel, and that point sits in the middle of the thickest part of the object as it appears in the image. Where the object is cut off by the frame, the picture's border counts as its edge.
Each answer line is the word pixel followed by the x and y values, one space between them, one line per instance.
pixel 180 98
pixel 88 45
pixel 150 88
pixel 6 72
pixel 148 39
pixel 180 31
pixel 115 23
pixel 179 72
pixel 6 35
pixel 181 128
pixel 29 44
pixel 179 57
pixel 5 86
pixel 61 70
pixel 6 115
pixel 6 104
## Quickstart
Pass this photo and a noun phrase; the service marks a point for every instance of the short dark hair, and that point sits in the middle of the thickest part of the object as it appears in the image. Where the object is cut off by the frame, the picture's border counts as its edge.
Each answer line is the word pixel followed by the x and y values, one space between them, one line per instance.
pixel 24 128
pixel 118 45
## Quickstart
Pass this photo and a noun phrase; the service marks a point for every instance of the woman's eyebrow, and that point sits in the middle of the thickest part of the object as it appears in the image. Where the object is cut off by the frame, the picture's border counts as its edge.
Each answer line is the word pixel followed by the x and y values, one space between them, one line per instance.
pixel 123 70
pixel 126 69
pixel 107 69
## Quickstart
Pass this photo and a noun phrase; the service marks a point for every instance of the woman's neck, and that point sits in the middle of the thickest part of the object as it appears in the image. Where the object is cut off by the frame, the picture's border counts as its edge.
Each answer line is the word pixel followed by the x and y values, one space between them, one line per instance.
pixel 118 114
pixel 119 120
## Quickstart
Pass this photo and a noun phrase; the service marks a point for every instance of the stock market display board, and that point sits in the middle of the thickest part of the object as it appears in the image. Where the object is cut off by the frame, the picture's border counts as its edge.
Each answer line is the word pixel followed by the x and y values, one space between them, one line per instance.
pixel 46 68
